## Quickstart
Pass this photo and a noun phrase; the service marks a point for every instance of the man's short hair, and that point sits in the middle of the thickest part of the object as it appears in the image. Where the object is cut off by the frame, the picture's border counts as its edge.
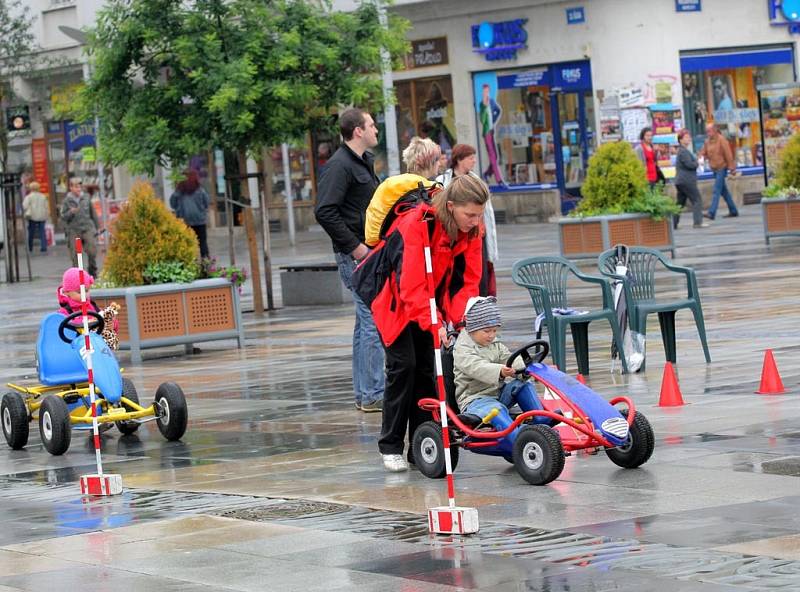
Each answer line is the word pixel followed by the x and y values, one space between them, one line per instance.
pixel 75 180
pixel 349 121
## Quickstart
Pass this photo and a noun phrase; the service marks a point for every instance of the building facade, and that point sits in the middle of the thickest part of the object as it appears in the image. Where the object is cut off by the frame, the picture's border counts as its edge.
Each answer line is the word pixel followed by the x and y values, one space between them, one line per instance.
pixel 537 86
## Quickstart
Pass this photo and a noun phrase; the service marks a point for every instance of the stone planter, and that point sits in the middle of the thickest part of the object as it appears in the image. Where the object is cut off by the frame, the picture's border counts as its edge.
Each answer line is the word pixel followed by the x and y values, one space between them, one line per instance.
pixel 781 216
pixel 582 238
pixel 175 314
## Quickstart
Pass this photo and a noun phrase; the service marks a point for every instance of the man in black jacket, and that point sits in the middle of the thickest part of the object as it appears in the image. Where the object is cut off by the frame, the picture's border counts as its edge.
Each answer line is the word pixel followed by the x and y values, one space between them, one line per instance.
pixel 345 190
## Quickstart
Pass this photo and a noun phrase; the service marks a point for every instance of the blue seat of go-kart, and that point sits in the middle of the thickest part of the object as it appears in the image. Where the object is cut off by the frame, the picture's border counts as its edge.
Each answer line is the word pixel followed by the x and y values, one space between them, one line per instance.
pixel 58 362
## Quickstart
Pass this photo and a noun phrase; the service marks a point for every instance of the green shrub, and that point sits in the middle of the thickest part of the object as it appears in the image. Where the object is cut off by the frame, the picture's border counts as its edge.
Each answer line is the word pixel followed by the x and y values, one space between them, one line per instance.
pixel 165 272
pixel 788 174
pixel 615 179
pixel 145 233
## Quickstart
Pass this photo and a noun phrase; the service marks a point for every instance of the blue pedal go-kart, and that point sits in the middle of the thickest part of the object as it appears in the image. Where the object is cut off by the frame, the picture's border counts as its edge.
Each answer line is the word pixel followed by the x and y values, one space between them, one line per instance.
pixel 61 401
pixel 573 417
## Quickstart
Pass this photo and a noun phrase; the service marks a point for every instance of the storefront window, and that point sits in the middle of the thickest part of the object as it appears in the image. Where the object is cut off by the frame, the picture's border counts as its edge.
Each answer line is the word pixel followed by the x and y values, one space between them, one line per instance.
pixel 534 125
pixel 720 87
pixel 300 167
pixel 425 107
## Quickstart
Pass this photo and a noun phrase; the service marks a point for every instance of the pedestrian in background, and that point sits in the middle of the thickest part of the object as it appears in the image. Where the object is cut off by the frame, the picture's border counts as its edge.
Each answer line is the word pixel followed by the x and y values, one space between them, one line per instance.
pixel 462 161
pixel 686 181
pixel 36 210
pixel 80 220
pixel 717 151
pixel 190 203
pixel 646 152
pixel 345 190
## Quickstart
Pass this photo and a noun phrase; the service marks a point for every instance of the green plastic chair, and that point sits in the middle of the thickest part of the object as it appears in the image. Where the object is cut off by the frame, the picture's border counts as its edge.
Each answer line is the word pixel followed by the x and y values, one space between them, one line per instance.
pixel 545 278
pixel 641 295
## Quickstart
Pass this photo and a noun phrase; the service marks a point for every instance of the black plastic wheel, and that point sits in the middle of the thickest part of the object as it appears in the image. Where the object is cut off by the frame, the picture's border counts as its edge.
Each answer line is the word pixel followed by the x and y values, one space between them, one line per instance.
pixel 129 392
pixel 428 450
pixel 538 454
pixel 639 447
pixel 54 426
pixel 174 414
pixel 15 420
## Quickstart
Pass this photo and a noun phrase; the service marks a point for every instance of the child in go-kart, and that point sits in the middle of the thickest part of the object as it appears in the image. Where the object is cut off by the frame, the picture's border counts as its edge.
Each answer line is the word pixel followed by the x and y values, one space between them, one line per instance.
pixel 69 299
pixel 483 381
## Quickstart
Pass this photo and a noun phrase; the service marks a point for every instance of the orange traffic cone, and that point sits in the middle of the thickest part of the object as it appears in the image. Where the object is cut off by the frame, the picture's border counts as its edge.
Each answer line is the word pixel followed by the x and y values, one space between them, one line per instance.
pixel 580 378
pixel 670 391
pixel 771 383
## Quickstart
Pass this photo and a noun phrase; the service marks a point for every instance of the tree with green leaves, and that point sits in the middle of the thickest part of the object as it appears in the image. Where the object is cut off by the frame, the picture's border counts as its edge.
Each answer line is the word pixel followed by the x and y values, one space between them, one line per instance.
pixel 17 45
pixel 173 77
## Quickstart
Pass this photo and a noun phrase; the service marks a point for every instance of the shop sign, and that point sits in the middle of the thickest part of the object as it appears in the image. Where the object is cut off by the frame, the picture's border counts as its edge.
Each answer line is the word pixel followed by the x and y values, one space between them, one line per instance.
pixel 78 135
pixel 735 115
pixel 18 119
pixel 426 53
pixel 537 77
pixel 39 158
pixel 576 16
pixel 785 13
pixel 499 41
pixel 572 76
pixel 687 6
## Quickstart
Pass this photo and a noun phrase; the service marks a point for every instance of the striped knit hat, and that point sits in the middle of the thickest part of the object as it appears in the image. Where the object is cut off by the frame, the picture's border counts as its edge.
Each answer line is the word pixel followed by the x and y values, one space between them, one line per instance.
pixel 482 313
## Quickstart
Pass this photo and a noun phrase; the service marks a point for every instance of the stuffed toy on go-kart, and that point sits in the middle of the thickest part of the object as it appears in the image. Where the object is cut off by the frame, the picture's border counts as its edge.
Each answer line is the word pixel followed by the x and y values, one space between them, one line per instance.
pixel 572 417
pixel 62 400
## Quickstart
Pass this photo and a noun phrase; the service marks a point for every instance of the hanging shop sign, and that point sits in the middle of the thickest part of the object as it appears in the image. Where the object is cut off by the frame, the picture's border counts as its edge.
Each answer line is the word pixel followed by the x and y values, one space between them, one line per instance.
pixel 78 135
pixel 426 52
pixel 18 119
pixel 687 6
pixel 576 15
pixel 499 41
pixel 571 76
pixel 785 13
pixel 39 159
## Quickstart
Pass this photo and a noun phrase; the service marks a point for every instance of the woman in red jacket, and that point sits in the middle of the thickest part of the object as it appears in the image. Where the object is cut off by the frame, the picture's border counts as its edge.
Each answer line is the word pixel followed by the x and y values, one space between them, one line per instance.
pixel 401 308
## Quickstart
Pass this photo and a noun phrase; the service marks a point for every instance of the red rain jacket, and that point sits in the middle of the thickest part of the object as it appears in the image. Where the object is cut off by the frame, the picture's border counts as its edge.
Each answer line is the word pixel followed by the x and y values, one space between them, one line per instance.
pixel 392 279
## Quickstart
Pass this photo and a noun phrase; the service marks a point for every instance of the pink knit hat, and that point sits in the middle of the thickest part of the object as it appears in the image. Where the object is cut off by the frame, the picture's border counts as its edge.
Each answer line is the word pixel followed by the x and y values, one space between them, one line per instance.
pixel 71 282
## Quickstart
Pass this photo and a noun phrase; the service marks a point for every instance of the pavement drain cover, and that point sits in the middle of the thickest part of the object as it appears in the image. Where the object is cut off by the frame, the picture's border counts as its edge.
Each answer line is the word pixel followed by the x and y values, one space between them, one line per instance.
pixel 783 466
pixel 284 509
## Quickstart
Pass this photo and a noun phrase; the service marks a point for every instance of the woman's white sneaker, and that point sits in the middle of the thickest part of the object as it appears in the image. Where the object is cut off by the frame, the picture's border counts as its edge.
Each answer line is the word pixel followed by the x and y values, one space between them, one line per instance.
pixel 395 463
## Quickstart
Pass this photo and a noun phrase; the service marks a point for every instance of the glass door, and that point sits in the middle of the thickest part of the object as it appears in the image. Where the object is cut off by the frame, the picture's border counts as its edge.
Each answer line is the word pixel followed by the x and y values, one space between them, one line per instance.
pixel 575 124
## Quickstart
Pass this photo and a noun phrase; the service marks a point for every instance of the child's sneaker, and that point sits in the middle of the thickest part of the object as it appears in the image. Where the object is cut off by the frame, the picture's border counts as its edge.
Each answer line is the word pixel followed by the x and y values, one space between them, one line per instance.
pixel 394 463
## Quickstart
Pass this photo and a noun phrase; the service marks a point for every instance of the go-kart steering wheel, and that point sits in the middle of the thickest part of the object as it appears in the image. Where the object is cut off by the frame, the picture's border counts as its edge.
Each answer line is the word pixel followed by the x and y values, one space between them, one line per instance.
pixel 96 325
pixel 526 356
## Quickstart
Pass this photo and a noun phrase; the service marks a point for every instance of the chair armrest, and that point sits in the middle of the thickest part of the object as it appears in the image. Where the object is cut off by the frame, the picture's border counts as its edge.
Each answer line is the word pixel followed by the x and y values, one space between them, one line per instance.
pixel 691 278
pixel 605 286
pixel 548 309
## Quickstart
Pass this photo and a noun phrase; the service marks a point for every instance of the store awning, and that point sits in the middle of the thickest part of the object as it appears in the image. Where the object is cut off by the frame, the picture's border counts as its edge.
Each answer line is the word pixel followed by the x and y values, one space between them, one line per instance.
pixel 738 59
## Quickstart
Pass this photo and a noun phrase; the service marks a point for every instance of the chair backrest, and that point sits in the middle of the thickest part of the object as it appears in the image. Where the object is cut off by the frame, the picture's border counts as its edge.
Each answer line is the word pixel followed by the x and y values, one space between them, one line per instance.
pixel 641 263
pixel 549 272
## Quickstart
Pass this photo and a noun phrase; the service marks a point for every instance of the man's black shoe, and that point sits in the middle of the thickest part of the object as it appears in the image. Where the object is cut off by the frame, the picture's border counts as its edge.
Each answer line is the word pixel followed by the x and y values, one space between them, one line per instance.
pixel 709 216
pixel 730 215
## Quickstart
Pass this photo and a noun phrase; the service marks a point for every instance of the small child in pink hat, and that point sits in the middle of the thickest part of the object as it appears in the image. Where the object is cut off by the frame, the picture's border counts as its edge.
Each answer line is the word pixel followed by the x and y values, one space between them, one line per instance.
pixel 69 299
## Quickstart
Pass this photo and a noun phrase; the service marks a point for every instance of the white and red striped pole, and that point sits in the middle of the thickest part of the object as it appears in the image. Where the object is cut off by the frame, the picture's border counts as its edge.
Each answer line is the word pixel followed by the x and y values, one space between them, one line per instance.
pixel 97 484
pixel 449 519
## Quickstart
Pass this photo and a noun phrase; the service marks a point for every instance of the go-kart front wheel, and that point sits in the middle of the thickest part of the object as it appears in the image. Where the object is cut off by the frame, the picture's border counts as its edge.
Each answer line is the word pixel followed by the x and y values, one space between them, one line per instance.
pixel 173 413
pixel 538 454
pixel 54 426
pixel 15 420
pixel 428 448
pixel 129 392
pixel 637 450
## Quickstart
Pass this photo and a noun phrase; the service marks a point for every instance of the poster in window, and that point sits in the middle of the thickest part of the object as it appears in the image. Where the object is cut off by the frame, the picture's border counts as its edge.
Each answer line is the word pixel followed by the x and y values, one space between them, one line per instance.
pixel 780 120
pixel 721 94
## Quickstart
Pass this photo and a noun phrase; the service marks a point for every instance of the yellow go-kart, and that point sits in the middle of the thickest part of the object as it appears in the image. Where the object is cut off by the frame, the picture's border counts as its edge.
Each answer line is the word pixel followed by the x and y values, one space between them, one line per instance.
pixel 61 402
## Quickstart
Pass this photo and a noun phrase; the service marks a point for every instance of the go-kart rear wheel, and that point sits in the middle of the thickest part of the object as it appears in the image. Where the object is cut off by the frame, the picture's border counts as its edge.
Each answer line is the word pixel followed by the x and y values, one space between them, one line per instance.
pixel 637 450
pixel 428 448
pixel 173 411
pixel 15 420
pixel 54 426
pixel 538 454
pixel 129 392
